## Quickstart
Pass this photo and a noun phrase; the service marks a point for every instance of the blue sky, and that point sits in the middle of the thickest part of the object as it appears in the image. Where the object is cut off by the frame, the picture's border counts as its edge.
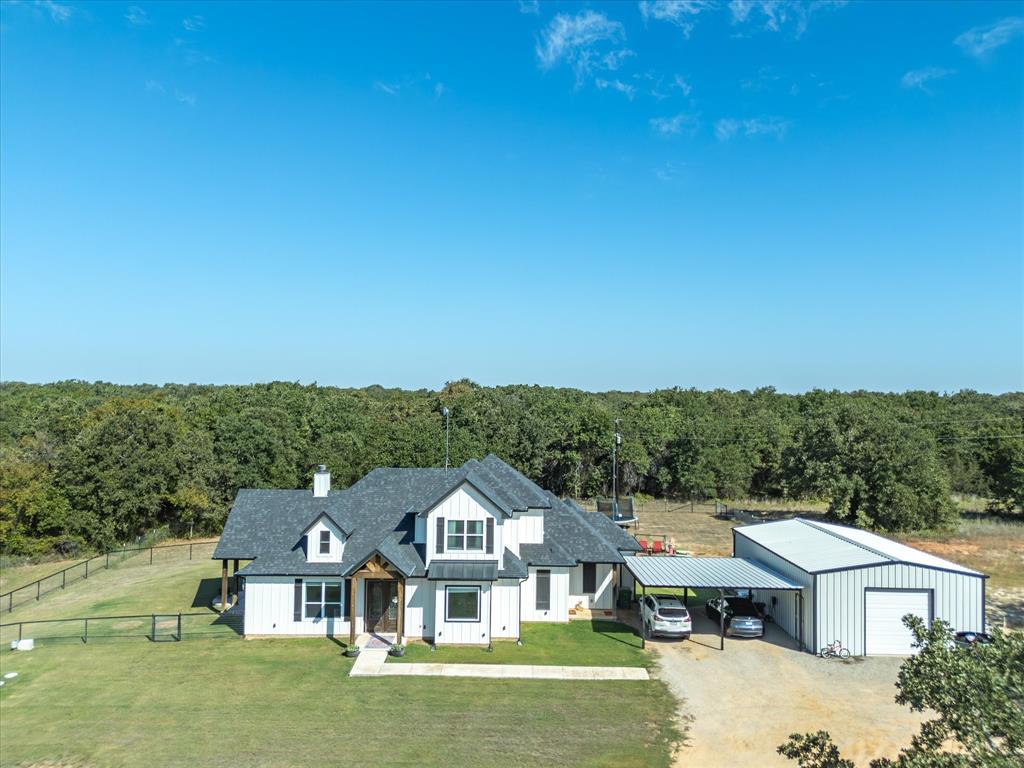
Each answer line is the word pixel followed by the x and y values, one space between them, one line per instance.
pixel 631 195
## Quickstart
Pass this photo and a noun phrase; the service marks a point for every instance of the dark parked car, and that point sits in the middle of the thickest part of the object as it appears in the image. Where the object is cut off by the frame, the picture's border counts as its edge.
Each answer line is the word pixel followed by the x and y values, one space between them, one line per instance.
pixel 742 618
pixel 967 639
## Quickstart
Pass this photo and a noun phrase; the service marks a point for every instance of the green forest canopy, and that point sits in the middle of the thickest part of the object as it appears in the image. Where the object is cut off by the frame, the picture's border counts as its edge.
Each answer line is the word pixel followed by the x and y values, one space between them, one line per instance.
pixel 93 465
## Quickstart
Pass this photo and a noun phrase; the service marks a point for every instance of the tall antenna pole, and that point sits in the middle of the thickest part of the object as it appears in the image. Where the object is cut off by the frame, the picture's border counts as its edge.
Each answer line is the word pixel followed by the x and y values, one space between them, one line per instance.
pixel 447 422
pixel 615 469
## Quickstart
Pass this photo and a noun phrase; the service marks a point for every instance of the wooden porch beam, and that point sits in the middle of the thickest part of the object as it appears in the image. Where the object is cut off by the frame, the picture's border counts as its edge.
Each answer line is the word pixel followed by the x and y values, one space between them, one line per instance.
pixel 224 586
pixel 352 613
pixel 401 610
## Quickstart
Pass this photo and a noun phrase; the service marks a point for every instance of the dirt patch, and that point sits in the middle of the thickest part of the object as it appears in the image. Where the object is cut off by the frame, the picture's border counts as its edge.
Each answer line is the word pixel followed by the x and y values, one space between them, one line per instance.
pixel 743 702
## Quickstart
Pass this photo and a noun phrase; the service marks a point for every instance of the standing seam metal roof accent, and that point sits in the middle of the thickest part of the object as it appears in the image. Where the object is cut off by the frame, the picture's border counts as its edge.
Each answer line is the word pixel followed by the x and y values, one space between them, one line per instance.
pixel 705 573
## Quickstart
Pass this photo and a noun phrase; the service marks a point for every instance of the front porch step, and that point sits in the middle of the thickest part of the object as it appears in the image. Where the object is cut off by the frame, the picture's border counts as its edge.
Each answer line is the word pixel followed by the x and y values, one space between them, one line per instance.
pixel 585 614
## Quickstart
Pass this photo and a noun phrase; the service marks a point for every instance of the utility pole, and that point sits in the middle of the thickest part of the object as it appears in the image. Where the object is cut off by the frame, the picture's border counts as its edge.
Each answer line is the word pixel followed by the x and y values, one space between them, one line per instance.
pixel 447 423
pixel 615 469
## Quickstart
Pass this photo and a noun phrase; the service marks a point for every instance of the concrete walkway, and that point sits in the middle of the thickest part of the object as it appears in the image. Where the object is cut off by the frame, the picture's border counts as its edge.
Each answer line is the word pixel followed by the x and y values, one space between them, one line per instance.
pixel 371 663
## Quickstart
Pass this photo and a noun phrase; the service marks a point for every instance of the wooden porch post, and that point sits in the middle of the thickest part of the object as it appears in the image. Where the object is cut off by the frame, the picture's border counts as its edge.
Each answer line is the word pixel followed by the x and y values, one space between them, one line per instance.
pixel 352 613
pixel 234 576
pixel 401 610
pixel 224 586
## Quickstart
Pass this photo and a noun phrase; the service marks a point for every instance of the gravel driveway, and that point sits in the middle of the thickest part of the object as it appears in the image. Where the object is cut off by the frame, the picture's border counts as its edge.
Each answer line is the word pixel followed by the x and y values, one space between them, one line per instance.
pixel 745 701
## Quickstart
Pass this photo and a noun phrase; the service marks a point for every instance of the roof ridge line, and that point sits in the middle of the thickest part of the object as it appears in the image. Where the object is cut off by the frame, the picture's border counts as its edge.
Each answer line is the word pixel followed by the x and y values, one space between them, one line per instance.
pixel 840 536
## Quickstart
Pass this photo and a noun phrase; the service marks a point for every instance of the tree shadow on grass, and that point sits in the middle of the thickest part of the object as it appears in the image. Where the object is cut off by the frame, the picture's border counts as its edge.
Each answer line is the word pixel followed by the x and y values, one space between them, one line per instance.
pixel 615 630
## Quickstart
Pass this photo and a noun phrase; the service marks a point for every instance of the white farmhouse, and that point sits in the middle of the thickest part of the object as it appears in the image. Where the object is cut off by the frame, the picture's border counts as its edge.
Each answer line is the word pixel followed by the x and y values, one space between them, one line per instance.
pixel 452 557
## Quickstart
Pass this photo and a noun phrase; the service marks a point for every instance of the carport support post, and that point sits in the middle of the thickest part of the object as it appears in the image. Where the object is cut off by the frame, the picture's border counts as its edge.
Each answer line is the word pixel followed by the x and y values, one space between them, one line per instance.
pixel 234 576
pixel 224 586
pixel 721 620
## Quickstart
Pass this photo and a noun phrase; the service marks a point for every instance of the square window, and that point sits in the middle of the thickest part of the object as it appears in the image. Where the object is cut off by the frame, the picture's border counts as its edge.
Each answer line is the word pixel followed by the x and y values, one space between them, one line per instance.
pixel 462 603
pixel 332 593
pixel 314 592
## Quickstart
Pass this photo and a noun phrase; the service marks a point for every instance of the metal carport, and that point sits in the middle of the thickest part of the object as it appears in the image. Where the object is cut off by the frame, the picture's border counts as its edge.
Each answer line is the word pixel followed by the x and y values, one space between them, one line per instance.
pixel 719 573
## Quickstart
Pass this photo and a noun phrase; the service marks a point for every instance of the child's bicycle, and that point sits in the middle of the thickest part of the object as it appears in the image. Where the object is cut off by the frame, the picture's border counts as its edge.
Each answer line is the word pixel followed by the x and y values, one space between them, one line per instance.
pixel 834 651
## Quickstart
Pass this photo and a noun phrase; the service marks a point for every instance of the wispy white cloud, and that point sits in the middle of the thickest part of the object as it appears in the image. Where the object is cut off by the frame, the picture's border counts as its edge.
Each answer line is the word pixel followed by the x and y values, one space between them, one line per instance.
pixel 529 6
pixel 762 81
pixel 137 16
pixel 670 170
pixel 581 42
pixel 185 98
pixel 439 89
pixel 389 88
pixel 727 127
pixel 919 78
pixel 680 82
pixel 674 125
pixel 979 41
pixel 775 15
pixel 194 23
pixel 616 85
pixel 155 85
pixel 682 13
pixel 59 12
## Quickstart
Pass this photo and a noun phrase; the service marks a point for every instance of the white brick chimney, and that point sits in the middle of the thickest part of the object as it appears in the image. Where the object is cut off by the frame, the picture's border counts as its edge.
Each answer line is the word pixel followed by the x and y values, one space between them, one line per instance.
pixel 321 482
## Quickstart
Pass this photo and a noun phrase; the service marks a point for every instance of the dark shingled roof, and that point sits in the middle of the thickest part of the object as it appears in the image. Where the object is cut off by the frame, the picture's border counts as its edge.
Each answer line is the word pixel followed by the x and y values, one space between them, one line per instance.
pixel 378 512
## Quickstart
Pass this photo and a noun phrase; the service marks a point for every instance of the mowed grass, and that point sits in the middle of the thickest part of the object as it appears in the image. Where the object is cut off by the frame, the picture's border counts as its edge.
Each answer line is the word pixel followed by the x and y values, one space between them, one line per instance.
pixel 289 702
pixel 218 700
pixel 579 643
pixel 14 576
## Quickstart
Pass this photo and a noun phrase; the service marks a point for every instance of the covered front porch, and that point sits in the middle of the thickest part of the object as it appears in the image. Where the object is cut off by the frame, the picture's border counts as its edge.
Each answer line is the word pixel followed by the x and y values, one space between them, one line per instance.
pixel 383 600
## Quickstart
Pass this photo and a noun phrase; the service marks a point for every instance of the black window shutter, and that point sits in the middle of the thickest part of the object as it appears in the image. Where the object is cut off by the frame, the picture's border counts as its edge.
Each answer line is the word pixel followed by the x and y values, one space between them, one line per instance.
pixel 589 578
pixel 439 548
pixel 297 608
pixel 346 597
pixel 489 546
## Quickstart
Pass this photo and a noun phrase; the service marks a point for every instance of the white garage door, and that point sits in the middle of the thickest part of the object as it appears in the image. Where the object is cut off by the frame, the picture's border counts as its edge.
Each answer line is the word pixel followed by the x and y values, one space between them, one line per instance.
pixel 884 612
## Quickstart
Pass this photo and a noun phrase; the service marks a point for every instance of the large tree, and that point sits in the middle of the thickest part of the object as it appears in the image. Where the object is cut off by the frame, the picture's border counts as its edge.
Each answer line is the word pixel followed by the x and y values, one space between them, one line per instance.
pixel 975 693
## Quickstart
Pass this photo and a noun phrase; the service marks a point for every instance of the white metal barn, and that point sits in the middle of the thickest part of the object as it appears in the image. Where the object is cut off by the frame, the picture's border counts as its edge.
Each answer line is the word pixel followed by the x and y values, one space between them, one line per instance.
pixel 857 585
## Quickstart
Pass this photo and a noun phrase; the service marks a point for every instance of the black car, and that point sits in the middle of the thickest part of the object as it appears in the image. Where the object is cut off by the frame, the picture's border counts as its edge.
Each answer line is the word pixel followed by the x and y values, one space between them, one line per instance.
pixel 742 618
pixel 967 639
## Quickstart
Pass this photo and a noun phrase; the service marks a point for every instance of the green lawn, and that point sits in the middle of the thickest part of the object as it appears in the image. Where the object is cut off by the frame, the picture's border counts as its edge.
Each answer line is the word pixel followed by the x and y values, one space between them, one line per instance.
pixel 230 702
pixel 217 700
pixel 578 643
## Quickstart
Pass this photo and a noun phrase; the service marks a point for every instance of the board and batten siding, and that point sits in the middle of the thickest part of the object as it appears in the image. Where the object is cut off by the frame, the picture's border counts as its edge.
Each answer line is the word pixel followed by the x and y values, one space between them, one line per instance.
pixel 602 599
pixel 524 528
pixel 461 632
pixel 270 605
pixel 464 503
pixel 786 611
pixel 956 598
pixel 559 610
pixel 419 609
pixel 505 609
pixel 313 543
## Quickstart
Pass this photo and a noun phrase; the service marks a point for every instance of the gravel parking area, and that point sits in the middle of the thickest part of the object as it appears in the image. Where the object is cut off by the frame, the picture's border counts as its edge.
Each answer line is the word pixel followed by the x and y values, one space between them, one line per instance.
pixel 743 702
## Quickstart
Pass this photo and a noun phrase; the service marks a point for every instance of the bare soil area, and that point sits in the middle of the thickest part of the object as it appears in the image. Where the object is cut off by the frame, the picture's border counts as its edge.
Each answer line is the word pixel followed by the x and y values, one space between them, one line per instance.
pixel 741 703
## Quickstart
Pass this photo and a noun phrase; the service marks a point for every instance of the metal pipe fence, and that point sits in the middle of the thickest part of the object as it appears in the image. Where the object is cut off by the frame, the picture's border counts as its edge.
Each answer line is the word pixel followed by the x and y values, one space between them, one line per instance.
pixel 154 555
pixel 155 627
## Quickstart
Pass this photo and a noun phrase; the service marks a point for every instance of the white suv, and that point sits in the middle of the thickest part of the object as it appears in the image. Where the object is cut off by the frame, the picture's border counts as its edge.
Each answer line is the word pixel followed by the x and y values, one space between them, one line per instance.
pixel 664 615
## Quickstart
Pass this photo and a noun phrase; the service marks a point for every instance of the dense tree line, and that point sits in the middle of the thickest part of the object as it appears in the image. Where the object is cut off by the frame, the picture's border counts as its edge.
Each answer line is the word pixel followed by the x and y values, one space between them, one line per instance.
pixel 96 464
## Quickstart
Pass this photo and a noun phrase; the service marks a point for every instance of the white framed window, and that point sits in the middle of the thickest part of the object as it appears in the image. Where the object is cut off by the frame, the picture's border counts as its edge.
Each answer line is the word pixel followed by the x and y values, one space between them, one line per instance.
pixel 462 604
pixel 323 599
pixel 465 535
pixel 325 542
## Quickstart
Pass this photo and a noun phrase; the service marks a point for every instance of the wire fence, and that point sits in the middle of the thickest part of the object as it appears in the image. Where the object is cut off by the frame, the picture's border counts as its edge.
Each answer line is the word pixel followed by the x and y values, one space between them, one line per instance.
pixel 155 627
pixel 153 555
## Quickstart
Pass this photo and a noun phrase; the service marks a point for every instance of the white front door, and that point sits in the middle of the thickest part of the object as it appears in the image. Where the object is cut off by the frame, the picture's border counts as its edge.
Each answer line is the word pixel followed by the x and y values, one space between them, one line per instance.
pixel 886 634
